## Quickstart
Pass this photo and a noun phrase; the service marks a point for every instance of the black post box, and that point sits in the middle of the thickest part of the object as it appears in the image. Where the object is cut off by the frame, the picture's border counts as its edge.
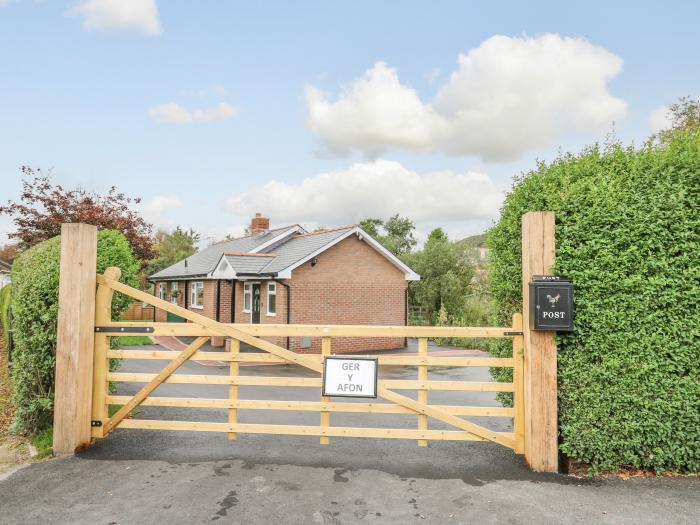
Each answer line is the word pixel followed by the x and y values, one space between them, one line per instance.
pixel 551 303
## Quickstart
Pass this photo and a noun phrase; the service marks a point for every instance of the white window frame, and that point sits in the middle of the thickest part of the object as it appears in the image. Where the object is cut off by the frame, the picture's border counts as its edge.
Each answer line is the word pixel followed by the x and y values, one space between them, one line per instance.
pixel 162 291
pixel 193 294
pixel 248 291
pixel 174 286
pixel 271 290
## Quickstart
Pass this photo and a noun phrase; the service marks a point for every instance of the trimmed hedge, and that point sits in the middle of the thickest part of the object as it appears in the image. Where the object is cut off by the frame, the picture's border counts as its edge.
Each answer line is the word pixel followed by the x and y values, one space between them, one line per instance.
pixel 5 292
pixel 35 309
pixel 628 234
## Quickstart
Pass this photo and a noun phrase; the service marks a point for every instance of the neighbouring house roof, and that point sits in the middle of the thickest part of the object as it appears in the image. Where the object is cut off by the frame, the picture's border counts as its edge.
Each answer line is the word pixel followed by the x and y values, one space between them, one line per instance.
pixel 5 266
pixel 275 258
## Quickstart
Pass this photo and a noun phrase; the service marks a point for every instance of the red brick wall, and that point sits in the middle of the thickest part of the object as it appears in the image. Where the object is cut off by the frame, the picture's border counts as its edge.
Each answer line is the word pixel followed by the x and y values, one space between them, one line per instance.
pixel 225 306
pixel 351 283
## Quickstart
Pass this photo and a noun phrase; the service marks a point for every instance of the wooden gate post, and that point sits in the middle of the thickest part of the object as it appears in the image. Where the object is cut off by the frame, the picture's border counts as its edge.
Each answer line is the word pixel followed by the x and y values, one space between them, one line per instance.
pixel 540 370
pixel 75 338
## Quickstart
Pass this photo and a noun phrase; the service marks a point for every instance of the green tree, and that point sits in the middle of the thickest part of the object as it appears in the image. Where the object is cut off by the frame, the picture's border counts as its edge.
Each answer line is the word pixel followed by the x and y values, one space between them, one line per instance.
pixel 172 247
pixel 395 234
pixel 445 276
pixel 372 226
pixel 684 116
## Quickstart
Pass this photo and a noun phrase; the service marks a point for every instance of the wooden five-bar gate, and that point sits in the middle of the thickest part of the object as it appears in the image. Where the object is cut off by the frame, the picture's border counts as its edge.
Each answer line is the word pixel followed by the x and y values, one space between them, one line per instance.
pixel 203 328
pixel 83 376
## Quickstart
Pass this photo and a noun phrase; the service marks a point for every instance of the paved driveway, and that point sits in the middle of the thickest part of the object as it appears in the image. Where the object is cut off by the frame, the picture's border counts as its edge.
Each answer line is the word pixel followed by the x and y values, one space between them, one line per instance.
pixel 139 476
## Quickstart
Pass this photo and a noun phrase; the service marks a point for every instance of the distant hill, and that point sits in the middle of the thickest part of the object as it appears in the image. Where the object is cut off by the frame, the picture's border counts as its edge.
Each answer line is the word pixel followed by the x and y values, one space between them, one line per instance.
pixel 471 243
pixel 473 248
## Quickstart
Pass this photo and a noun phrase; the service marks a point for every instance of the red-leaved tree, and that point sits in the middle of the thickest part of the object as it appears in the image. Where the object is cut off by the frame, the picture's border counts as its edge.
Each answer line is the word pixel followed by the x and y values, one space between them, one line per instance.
pixel 44 206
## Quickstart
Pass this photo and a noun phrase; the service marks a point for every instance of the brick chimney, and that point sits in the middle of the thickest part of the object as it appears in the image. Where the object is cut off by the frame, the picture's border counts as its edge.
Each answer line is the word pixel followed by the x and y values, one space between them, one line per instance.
pixel 259 224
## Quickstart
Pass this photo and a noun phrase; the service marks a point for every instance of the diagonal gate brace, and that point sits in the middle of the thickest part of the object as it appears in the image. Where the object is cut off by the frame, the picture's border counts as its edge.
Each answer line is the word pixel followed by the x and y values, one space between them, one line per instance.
pixel 153 384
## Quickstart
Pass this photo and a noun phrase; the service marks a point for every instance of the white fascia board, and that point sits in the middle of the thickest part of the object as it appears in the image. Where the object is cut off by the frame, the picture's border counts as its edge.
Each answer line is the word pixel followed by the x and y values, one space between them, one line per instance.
pixel 409 274
pixel 272 241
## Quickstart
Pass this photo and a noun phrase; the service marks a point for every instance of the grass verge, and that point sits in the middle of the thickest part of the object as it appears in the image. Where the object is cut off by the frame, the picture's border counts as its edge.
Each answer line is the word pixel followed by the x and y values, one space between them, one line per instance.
pixel 43 442
pixel 132 340
pixel 113 409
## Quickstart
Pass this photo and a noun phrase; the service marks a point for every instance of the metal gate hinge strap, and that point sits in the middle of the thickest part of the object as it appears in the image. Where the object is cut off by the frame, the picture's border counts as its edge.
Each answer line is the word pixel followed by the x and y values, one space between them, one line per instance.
pixel 512 333
pixel 96 423
pixel 125 329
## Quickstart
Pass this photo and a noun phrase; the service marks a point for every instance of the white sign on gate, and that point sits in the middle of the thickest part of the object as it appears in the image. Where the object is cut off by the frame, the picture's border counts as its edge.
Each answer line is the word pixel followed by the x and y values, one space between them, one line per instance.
pixel 350 377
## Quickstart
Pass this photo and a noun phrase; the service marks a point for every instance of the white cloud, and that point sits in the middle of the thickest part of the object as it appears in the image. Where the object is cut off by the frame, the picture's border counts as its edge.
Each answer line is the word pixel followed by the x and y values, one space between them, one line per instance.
pixel 139 15
pixel 660 119
pixel 377 189
pixel 507 96
pixel 172 113
pixel 156 210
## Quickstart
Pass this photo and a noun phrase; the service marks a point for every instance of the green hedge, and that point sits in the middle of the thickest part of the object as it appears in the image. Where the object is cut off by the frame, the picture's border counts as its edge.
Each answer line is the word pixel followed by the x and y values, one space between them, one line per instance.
pixel 5 292
pixel 35 308
pixel 628 234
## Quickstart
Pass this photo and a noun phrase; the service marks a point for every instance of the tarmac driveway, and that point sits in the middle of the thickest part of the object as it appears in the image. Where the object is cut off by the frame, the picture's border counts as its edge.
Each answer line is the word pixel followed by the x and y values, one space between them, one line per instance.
pixel 140 476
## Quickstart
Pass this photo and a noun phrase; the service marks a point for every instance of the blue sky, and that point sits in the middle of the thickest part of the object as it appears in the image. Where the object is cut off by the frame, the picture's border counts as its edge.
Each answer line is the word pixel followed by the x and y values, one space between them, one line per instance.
pixel 324 112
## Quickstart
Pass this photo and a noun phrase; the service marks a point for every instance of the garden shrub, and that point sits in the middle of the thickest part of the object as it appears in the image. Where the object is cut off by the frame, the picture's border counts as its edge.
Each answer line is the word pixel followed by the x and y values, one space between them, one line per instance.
pixel 34 306
pixel 477 311
pixel 628 234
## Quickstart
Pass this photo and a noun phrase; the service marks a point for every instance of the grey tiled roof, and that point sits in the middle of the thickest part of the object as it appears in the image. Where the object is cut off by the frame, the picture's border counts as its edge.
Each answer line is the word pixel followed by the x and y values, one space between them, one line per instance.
pixel 248 263
pixel 300 247
pixel 290 251
pixel 204 261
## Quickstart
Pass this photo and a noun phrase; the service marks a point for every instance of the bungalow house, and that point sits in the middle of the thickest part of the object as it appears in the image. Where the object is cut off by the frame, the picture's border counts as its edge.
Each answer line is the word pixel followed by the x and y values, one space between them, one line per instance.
pixel 290 276
pixel 5 272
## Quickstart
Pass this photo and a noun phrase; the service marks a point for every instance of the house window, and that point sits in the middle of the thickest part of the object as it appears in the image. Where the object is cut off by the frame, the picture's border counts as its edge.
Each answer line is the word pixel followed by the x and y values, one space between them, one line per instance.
pixel 174 292
pixel 197 295
pixel 246 297
pixel 271 299
pixel 162 291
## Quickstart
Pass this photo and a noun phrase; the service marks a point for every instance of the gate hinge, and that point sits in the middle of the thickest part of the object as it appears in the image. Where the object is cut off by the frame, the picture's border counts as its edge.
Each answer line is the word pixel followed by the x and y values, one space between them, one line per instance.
pixel 512 333
pixel 94 423
pixel 125 329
